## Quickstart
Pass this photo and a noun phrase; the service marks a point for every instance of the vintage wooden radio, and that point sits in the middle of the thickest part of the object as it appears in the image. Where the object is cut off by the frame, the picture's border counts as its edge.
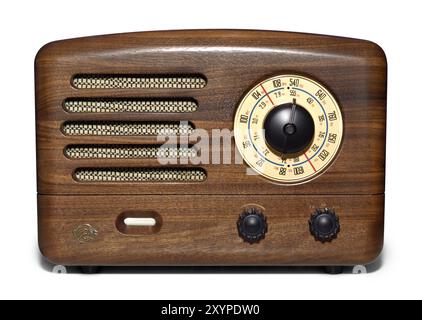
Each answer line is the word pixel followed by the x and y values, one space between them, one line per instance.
pixel 139 138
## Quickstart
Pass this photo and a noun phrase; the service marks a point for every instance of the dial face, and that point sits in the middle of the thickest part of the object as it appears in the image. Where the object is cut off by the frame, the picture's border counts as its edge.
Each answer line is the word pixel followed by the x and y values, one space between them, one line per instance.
pixel 288 128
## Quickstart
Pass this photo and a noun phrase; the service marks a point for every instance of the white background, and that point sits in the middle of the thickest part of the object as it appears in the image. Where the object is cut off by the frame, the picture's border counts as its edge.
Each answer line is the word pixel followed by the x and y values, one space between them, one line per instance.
pixel 26 26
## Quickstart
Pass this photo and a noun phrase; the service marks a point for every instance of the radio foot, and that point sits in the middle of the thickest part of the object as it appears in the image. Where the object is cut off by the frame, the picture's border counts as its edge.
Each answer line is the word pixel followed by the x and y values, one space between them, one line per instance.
pixel 333 269
pixel 90 269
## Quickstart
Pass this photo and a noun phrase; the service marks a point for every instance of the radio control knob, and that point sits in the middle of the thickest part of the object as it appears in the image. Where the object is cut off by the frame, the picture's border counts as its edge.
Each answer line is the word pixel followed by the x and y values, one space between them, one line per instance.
pixel 289 129
pixel 324 225
pixel 252 225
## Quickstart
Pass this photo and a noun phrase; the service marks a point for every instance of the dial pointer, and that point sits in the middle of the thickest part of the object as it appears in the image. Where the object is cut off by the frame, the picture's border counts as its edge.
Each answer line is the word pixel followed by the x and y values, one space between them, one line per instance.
pixel 293 112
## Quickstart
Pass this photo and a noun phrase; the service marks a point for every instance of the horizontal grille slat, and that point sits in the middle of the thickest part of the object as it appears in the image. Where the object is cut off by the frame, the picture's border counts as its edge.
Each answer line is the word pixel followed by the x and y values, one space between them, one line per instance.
pixel 140 175
pixel 128 152
pixel 121 128
pixel 92 81
pixel 129 106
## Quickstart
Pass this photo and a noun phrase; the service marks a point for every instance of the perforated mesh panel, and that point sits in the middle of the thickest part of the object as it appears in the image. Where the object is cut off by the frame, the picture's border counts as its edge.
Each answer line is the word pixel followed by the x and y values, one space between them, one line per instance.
pixel 132 128
pixel 137 82
pixel 129 105
pixel 128 152
pixel 140 175
pixel 126 128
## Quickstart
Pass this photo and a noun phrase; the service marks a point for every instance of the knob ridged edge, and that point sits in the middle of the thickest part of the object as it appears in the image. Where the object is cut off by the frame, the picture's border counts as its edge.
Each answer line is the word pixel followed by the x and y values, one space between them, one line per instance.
pixel 248 237
pixel 321 236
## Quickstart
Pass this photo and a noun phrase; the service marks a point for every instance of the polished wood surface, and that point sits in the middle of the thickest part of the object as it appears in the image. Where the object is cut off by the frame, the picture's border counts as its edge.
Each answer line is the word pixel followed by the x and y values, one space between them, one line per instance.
pixel 232 62
pixel 197 230
pixel 197 221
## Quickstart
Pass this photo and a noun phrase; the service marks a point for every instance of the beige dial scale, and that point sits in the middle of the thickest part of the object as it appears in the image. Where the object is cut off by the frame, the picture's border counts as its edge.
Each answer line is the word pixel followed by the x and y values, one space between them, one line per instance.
pixel 288 128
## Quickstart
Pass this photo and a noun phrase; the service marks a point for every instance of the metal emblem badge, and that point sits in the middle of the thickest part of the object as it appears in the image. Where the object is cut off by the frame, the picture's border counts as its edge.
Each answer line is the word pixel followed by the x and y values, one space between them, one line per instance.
pixel 85 233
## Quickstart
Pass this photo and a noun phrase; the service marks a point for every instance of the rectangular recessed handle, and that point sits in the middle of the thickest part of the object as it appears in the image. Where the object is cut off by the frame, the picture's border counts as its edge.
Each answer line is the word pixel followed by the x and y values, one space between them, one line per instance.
pixel 140 222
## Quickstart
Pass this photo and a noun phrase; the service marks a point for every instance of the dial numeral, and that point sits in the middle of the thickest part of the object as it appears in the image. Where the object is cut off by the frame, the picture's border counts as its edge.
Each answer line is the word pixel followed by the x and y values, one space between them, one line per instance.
pixel 282 171
pixel 323 155
pixel 244 118
pixel 262 104
pixel 332 137
pixel 256 95
pixel 310 101
pixel 277 83
pixel 321 94
pixel 332 116
pixel 294 82
pixel 314 148
pixel 298 171
pixel 246 144
pixel 260 163
pixel 293 93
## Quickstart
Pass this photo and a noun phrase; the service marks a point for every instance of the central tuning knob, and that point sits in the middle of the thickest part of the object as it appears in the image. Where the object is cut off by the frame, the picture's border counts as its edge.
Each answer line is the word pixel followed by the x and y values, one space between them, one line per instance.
pixel 289 128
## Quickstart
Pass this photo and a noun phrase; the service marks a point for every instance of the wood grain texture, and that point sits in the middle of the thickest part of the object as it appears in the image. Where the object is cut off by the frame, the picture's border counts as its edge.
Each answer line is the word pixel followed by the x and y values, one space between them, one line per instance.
pixel 232 61
pixel 197 230
pixel 197 221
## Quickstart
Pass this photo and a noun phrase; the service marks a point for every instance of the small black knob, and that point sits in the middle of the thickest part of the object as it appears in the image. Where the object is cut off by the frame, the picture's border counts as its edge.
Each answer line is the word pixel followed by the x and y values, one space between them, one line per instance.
pixel 289 128
pixel 324 225
pixel 252 225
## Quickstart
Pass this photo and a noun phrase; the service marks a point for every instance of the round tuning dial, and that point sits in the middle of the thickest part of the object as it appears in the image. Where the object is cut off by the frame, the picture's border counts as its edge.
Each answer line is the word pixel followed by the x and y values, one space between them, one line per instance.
pixel 288 128
pixel 324 225
pixel 252 225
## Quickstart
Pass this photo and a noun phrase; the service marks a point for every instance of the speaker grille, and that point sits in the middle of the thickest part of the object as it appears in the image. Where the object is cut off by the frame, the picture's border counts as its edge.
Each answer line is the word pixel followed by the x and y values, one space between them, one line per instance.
pixel 140 175
pixel 107 105
pixel 126 128
pixel 129 105
pixel 137 82
pixel 128 152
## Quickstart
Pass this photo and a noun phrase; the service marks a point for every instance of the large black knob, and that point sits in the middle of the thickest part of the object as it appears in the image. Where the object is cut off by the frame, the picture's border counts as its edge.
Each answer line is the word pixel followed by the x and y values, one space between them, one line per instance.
pixel 252 225
pixel 289 128
pixel 324 225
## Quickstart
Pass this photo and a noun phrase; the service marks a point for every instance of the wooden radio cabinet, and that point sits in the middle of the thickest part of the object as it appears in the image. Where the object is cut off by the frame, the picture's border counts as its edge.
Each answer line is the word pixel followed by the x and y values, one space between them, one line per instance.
pixel 211 147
